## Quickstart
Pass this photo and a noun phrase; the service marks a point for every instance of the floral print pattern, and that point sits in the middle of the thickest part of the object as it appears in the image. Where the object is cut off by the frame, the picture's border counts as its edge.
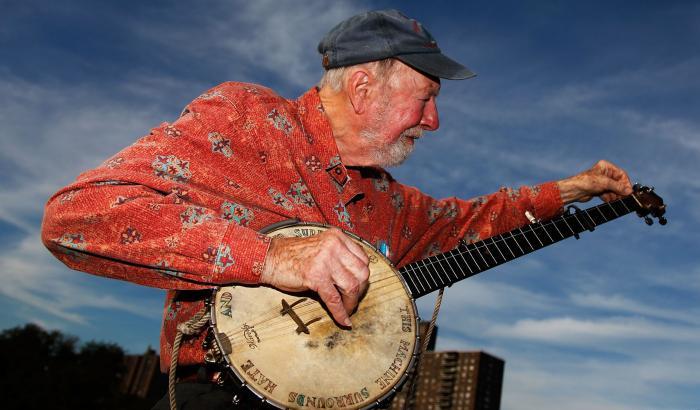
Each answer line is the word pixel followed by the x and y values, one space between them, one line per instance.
pixel 171 168
pixel 237 213
pixel 194 215
pixel 220 144
pixel 280 122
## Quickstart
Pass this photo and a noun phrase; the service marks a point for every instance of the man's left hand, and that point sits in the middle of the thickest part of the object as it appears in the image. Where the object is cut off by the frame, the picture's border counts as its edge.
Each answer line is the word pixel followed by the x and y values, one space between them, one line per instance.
pixel 604 179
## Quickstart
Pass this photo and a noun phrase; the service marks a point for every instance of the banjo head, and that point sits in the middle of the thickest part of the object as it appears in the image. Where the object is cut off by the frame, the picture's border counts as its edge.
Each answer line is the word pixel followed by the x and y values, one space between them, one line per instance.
pixel 289 352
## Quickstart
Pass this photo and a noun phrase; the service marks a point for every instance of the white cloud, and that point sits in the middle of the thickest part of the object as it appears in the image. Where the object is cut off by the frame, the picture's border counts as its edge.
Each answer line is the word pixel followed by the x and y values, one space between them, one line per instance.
pixel 33 277
pixel 588 332
pixel 598 384
pixel 507 128
pixel 279 37
pixel 51 134
pixel 619 303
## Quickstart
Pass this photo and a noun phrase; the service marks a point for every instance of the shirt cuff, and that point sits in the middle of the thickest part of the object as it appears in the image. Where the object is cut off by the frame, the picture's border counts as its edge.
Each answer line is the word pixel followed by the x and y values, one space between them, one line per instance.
pixel 546 200
pixel 241 256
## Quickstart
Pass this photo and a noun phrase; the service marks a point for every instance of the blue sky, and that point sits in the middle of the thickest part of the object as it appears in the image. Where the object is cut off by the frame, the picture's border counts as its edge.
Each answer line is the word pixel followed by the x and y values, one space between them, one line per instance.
pixel 608 322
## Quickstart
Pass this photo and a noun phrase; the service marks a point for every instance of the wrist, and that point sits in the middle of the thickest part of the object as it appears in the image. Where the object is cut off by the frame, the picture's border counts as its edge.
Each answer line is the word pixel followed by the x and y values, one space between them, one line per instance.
pixel 269 263
pixel 568 190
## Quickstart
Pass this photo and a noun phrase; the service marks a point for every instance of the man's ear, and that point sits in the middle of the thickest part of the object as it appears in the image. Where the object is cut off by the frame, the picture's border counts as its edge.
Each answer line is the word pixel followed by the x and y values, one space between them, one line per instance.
pixel 358 89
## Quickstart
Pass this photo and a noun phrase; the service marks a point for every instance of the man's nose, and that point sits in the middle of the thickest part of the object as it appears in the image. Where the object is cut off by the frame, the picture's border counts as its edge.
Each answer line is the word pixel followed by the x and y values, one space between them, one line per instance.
pixel 430 120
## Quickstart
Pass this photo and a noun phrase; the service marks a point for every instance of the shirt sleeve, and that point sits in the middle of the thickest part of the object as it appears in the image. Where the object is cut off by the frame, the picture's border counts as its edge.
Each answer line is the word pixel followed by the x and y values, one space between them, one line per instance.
pixel 154 214
pixel 429 226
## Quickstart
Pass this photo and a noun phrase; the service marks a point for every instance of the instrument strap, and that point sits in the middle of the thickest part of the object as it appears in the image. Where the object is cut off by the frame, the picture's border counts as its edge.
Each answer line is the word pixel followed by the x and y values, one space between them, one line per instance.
pixel 191 327
pixel 410 399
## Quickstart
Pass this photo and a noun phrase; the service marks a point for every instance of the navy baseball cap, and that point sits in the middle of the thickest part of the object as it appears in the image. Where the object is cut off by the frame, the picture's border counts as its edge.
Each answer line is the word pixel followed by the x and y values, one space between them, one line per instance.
pixel 376 35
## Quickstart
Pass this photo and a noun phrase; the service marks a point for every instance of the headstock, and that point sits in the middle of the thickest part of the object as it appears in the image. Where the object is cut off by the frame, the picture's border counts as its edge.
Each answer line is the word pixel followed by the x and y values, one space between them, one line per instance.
pixel 649 204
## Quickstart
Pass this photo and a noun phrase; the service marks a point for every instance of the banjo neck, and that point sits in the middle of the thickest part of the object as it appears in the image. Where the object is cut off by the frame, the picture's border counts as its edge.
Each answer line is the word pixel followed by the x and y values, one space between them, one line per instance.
pixel 466 260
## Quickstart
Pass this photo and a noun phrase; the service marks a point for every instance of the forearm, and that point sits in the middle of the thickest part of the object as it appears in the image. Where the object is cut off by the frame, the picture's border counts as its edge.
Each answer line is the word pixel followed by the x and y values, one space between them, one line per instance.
pixel 448 221
pixel 133 233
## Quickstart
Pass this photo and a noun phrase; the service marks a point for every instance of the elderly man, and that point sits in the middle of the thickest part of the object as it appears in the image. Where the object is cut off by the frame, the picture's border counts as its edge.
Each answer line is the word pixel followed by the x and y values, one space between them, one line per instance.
pixel 181 208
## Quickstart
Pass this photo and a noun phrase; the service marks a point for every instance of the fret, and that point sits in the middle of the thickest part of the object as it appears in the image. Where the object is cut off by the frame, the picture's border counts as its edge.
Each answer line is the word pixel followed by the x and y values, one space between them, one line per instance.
pixel 532 237
pixel 621 207
pixel 442 260
pixel 461 255
pixel 607 211
pixel 541 225
pixel 424 283
pixel 469 251
pixel 434 272
pixel 503 239
pixel 553 223
pixel 627 209
pixel 454 264
pixel 462 268
pixel 476 266
pixel 613 209
pixel 409 275
pixel 427 270
pixel 597 208
pixel 512 237
pixel 528 242
pixel 598 216
pixel 568 226
pixel 482 257
pixel 532 228
pixel 490 252
pixel 499 249
pixel 448 259
pixel 593 224
pixel 583 227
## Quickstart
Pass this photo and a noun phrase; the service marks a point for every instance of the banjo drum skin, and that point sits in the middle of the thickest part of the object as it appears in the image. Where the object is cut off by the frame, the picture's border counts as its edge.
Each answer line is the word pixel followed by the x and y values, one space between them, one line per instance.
pixel 288 351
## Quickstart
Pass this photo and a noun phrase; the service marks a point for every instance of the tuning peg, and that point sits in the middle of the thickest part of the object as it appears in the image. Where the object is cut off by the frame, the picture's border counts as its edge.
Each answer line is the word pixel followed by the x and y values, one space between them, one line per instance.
pixel 648 220
pixel 662 220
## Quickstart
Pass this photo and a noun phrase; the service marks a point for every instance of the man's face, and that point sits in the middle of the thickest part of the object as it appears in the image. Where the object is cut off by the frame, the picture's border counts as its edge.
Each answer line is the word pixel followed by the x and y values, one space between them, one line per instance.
pixel 404 108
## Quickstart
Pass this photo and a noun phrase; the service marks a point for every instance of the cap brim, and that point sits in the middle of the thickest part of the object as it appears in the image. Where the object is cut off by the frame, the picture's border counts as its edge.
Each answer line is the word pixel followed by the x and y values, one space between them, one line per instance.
pixel 438 65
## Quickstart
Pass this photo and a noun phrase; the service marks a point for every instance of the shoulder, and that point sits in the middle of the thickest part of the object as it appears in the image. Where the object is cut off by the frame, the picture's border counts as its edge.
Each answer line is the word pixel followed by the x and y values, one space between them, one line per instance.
pixel 244 92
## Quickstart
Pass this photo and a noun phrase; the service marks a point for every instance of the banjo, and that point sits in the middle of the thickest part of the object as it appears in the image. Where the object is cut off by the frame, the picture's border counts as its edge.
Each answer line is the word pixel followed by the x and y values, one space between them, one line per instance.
pixel 286 350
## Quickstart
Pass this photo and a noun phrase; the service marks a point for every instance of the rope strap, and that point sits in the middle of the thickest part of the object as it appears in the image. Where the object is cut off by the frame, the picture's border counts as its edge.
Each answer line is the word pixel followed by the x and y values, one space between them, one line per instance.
pixel 189 328
pixel 410 397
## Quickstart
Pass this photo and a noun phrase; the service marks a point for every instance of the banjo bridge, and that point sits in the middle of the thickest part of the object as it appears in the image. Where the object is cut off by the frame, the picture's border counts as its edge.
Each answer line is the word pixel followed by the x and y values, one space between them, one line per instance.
pixel 289 309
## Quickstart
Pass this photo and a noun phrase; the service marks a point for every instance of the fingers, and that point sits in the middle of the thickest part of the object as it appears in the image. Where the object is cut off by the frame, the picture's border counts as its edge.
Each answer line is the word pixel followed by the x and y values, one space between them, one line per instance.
pixel 330 263
pixel 349 274
pixel 614 180
pixel 334 302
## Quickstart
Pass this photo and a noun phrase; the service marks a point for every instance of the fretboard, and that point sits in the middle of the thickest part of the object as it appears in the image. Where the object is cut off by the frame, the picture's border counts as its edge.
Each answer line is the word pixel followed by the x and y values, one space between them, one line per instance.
pixel 439 271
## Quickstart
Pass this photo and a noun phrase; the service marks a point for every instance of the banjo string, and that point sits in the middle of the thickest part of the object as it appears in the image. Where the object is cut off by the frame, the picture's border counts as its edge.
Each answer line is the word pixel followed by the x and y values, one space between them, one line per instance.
pixel 316 307
pixel 272 331
pixel 273 313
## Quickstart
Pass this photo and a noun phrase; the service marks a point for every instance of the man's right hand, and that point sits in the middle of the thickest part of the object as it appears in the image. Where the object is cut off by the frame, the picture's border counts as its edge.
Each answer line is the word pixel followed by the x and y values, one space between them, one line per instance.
pixel 330 264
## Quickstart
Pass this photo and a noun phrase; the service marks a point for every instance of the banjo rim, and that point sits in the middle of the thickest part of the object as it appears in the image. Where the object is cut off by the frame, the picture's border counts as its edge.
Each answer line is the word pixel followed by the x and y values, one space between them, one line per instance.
pixel 242 383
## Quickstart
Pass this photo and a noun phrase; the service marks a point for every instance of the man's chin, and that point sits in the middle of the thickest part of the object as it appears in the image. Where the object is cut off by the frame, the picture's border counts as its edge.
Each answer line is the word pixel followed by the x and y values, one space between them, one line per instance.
pixel 397 153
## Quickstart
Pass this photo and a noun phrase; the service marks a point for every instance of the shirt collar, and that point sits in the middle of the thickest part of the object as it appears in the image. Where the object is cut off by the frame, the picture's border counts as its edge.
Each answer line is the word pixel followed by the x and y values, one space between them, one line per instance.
pixel 319 143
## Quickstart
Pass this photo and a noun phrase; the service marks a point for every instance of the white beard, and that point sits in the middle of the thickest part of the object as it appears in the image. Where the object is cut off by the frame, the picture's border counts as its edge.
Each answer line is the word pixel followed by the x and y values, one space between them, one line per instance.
pixel 392 154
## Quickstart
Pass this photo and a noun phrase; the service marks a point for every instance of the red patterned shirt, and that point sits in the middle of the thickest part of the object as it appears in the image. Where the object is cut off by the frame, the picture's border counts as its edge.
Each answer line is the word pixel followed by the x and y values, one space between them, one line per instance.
pixel 180 208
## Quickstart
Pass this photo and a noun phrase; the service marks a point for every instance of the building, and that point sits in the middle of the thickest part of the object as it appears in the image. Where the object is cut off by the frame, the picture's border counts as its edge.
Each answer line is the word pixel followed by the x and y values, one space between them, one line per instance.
pixel 142 377
pixel 454 380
